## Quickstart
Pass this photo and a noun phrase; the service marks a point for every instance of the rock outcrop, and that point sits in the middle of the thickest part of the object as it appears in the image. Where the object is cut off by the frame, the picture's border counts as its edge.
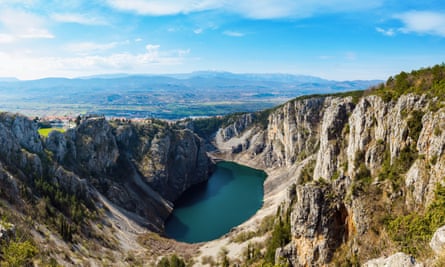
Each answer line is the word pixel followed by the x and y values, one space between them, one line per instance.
pixel 344 154
pixel 7 231
pixel 318 224
pixel 397 260
pixel 141 167
pixel 343 167
pixel 438 241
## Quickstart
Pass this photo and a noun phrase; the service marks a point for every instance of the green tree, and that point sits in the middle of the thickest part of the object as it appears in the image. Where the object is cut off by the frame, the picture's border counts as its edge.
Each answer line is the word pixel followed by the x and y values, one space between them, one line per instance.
pixel 280 237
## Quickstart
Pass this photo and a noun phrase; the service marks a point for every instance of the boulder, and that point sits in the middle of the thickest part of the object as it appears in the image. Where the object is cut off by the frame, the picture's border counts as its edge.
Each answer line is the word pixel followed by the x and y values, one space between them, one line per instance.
pixel 399 259
pixel 437 243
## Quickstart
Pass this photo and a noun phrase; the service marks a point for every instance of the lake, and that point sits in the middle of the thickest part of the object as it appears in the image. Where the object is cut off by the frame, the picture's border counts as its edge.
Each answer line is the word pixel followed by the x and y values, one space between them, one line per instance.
pixel 207 211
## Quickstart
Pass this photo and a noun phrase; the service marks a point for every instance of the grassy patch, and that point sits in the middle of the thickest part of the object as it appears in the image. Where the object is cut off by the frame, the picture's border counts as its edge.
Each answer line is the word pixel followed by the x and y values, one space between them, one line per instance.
pixel 45 131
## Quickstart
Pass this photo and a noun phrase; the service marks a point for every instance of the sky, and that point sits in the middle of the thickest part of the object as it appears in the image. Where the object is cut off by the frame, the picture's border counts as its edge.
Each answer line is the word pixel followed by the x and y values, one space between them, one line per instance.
pixel 332 39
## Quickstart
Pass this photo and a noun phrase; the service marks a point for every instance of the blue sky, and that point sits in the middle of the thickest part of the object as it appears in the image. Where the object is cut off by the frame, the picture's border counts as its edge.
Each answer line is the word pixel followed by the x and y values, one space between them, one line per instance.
pixel 333 39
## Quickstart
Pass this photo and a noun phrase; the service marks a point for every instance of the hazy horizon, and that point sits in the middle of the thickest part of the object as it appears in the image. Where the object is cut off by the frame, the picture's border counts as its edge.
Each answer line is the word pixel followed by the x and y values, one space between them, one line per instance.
pixel 176 75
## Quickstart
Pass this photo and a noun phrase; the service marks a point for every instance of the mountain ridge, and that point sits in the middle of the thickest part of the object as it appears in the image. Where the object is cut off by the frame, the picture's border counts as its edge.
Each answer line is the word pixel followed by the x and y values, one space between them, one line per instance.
pixel 165 97
pixel 200 73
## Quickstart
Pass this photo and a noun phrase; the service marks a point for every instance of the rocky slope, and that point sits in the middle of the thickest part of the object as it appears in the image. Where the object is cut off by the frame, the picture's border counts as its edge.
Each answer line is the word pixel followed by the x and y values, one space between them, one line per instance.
pixel 354 163
pixel 127 172
pixel 352 179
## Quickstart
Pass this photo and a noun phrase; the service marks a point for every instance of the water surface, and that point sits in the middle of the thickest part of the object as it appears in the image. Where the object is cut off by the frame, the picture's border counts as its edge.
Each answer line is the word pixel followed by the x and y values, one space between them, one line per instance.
pixel 207 211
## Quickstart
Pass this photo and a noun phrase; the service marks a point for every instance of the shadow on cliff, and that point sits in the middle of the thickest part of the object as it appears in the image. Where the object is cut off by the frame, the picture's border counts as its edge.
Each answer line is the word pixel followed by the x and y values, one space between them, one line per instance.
pixel 180 229
pixel 206 190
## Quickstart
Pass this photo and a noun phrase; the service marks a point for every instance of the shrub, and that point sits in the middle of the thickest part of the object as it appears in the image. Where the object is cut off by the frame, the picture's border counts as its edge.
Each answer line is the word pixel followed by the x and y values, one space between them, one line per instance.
pixel 307 173
pixel 281 236
pixel 437 131
pixel 413 231
pixel 172 261
pixel 401 164
pixel 16 253
pixel 415 124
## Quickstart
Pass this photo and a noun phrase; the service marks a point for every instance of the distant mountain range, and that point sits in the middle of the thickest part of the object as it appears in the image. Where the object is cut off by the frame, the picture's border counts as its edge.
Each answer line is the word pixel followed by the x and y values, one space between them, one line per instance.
pixel 169 96
pixel 277 77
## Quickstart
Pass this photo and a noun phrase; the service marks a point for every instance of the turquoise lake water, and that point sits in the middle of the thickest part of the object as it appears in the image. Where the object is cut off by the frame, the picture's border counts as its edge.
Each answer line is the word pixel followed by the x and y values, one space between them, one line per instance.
pixel 207 211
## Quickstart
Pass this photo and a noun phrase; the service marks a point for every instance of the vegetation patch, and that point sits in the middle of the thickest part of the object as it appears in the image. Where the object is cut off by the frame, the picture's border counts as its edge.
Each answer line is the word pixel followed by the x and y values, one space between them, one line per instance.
pixel 400 165
pixel 206 127
pixel 266 225
pixel 413 231
pixel 429 81
pixel 281 236
pixel 18 253
pixel 46 131
pixel 67 212
pixel 171 261
pixel 415 124
pixel 307 174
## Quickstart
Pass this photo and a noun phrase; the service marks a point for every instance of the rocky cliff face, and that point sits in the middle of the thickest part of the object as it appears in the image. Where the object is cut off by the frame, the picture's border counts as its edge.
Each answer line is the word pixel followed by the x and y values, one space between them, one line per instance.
pixel 354 173
pixel 352 161
pixel 141 167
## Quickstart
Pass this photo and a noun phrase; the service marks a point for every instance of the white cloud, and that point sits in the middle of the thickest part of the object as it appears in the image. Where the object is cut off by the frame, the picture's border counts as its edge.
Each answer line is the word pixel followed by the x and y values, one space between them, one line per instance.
pixel 36 33
pixel 163 7
pixel 22 25
pixel 233 33
pixel 423 22
pixel 6 38
pixel 79 19
pixel 32 66
pixel 152 54
pixel 388 32
pixel 198 31
pixel 254 9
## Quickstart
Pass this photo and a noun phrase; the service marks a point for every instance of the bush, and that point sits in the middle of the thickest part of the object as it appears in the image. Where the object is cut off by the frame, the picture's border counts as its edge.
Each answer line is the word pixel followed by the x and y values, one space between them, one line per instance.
pixel 281 236
pixel 413 231
pixel 415 124
pixel 307 174
pixel 16 253
pixel 172 261
pixel 401 164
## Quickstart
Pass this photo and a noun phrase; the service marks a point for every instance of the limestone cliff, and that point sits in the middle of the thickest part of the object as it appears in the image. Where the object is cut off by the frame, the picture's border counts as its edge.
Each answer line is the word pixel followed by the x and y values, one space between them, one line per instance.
pixel 354 162
pixel 141 167
pixel 360 176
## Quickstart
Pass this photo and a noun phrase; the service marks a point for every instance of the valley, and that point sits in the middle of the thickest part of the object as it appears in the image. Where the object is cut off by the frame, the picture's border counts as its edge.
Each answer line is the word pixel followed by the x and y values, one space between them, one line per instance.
pixel 171 97
pixel 183 133
pixel 353 178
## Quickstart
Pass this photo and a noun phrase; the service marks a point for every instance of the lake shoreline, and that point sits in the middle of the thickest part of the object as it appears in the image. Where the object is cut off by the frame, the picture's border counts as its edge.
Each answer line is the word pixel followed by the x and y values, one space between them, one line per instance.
pixel 210 210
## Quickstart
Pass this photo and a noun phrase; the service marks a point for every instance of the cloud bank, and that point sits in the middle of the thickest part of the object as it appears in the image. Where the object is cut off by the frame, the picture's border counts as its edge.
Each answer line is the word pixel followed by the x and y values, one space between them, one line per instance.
pixel 253 9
